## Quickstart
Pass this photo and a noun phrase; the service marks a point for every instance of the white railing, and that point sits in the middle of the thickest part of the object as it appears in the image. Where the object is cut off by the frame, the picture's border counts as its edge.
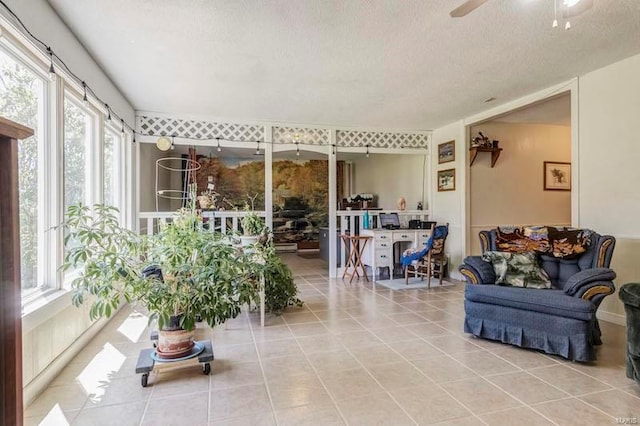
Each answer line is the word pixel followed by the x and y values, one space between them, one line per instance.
pixel 222 221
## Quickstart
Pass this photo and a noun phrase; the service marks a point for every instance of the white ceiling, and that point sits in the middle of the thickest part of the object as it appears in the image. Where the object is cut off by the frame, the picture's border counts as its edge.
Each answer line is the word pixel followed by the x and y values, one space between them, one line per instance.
pixel 556 111
pixel 378 63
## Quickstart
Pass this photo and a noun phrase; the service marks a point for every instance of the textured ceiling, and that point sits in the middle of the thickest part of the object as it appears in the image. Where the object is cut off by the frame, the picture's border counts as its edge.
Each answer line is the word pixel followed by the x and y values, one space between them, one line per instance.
pixel 379 63
pixel 556 111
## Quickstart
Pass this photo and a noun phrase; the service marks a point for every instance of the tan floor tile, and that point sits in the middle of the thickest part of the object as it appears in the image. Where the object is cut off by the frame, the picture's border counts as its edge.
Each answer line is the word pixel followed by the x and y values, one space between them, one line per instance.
pixel 333 361
pixel 235 353
pixel 409 317
pixel 321 343
pixel 514 416
pixel 428 404
pixel 238 402
pixel 332 315
pixel 178 381
pixel 373 322
pixel 121 414
pixel 226 374
pixel 465 421
pixel 484 363
pixel 397 375
pixel 343 325
pixel 615 376
pixel 358 339
pixel 67 397
pixel 569 380
pixel 374 355
pixel 278 348
pixel 309 329
pixel 442 369
pixel 279 332
pixel 523 358
pixel 310 415
pixel 350 383
pixel 300 317
pixel 301 393
pixel 395 334
pixel 615 402
pixel 264 419
pixel 181 409
pixel 118 391
pixel 480 396
pixel 452 344
pixel 414 350
pixel 527 388
pixel 571 412
pixel 55 417
pixel 286 366
pixel 378 409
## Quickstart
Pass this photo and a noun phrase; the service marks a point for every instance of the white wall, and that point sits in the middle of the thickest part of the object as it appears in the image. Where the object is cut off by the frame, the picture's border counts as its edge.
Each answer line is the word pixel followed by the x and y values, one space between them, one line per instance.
pixel 512 192
pixel 53 333
pixel 449 206
pixel 391 176
pixel 609 104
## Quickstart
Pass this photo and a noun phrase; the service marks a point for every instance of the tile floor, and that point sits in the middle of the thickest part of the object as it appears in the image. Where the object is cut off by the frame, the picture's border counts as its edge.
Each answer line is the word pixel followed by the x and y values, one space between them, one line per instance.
pixel 352 355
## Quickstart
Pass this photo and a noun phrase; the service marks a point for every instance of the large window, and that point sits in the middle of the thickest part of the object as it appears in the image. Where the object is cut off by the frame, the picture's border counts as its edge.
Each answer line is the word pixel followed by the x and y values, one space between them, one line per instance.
pixel 77 137
pixel 22 100
pixel 111 168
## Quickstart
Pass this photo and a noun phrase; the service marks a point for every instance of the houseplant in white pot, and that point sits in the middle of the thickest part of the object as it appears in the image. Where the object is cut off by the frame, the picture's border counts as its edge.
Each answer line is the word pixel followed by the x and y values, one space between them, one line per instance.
pixel 252 227
pixel 190 274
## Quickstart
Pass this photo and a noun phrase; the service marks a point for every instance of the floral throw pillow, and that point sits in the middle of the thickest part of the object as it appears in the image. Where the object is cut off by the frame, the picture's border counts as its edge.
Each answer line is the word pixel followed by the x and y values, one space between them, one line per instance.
pixel 517 269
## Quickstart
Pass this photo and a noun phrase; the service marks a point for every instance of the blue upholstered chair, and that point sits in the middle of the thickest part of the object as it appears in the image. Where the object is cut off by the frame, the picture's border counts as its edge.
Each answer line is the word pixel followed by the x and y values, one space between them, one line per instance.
pixel 561 320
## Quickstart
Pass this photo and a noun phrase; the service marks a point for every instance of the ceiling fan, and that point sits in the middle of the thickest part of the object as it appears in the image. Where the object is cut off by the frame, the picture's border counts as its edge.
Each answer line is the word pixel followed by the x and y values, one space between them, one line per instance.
pixel 570 8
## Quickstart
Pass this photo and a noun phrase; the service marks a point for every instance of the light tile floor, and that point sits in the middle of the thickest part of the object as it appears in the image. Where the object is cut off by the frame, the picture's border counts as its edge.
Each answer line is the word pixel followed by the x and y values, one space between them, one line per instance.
pixel 354 354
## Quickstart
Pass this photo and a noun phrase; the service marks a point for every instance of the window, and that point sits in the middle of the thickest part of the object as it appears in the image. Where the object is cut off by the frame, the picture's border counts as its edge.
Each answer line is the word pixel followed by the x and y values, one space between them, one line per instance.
pixel 22 100
pixel 77 137
pixel 111 163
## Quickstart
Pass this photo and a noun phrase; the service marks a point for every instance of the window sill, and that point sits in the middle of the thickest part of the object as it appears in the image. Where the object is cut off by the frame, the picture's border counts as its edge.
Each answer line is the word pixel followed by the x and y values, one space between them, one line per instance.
pixel 44 308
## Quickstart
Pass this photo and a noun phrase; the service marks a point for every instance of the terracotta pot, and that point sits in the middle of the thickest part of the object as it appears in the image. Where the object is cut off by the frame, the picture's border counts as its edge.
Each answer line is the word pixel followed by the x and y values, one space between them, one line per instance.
pixel 174 343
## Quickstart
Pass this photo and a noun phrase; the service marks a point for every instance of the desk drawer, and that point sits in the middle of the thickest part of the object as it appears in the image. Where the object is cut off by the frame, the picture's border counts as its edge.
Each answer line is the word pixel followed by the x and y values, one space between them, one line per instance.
pixel 383 245
pixel 403 236
pixel 383 237
pixel 384 258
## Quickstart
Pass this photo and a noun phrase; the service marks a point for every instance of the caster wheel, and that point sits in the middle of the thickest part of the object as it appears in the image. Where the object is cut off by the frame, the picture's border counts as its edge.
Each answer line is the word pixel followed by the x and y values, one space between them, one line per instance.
pixel 206 369
pixel 144 380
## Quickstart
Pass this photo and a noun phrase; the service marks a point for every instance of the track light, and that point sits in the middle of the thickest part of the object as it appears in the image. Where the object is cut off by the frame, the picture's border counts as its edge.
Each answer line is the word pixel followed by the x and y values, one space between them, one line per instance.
pixel 173 145
pixel 333 149
pixel 367 150
pixel 52 70
pixel 134 137
pixel 122 122
pixel 108 112
pixel 84 97
pixel 218 139
pixel 258 148
pixel 297 149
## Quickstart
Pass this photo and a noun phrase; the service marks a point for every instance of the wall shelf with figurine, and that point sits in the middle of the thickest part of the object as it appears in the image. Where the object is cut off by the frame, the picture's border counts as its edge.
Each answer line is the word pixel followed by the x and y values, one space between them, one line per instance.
pixel 474 150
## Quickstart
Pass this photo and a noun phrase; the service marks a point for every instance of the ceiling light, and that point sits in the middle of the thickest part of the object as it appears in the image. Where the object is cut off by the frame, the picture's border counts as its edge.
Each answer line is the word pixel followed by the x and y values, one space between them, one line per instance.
pixel 491 99
pixel 570 3
pixel 218 139
pixel 163 143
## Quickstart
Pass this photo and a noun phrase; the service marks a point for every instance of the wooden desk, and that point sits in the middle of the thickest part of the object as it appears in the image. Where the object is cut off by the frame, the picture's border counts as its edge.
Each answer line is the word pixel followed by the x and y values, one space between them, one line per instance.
pixel 379 254
pixel 354 245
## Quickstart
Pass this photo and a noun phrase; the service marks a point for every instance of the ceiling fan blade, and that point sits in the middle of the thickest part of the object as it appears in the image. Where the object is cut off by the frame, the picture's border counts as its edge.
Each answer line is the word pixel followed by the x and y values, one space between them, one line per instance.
pixel 466 7
pixel 577 9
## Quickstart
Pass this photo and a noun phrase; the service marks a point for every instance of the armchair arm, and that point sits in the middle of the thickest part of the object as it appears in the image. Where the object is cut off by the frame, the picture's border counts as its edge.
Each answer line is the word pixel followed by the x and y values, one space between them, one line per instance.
pixel 580 283
pixel 477 271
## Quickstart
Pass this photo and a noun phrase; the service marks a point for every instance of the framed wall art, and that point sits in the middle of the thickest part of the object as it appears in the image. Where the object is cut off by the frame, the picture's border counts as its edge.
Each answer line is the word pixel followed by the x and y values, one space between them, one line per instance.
pixel 446 152
pixel 557 176
pixel 447 180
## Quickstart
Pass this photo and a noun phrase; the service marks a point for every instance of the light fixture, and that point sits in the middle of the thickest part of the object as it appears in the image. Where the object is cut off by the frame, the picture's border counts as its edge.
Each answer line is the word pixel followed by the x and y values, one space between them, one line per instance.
pixel 570 3
pixel 297 149
pixel 333 149
pixel 52 70
pixel 164 143
pixel 84 97
pixel 258 148
pixel 218 139
pixel 122 122
pixel 173 145
pixel 367 150
pixel 108 112
pixel 134 137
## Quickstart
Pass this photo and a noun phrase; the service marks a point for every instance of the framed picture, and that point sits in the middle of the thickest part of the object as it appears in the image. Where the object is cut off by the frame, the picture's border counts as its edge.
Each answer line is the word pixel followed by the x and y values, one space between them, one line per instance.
pixel 446 152
pixel 557 176
pixel 447 180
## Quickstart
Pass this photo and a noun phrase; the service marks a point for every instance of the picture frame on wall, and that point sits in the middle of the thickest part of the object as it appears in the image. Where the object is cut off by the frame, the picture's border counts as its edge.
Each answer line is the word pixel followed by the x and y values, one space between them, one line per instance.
pixel 446 152
pixel 557 176
pixel 446 180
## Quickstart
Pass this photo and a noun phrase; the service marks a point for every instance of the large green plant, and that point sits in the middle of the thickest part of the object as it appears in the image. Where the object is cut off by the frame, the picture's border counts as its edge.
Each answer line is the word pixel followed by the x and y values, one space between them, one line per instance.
pixel 203 275
pixel 280 288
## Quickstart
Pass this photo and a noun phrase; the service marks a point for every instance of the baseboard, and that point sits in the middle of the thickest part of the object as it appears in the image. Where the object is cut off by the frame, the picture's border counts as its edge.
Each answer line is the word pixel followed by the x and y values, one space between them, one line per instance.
pixel 611 317
pixel 40 383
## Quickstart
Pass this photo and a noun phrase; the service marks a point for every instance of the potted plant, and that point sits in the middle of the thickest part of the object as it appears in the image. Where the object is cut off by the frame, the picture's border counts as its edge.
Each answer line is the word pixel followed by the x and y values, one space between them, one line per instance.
pixel 252 227
pixel 180 274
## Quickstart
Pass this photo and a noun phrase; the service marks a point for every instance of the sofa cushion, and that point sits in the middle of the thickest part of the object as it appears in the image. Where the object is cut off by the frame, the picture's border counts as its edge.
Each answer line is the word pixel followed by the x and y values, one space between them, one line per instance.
pixel 552 302
pixel 568 243
pixel 517 269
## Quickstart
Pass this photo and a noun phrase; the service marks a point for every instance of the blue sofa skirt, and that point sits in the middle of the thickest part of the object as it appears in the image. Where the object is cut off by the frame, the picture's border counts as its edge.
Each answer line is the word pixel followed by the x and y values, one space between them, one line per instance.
pixel 534 330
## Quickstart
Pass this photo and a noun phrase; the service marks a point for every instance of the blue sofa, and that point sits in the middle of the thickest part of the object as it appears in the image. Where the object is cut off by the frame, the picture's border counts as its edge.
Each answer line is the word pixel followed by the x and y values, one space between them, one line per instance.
pixel 561 320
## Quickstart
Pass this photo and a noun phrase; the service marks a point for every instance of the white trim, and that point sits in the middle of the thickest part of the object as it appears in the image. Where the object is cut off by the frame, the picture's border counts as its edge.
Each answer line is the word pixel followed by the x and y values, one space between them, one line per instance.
pixel 611 317
pixel 275 123
pixel 268 176
pixel 333 204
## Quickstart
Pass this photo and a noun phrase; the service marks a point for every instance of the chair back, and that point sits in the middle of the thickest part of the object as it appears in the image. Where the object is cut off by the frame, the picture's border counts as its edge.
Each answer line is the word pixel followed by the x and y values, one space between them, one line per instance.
pixel 440 234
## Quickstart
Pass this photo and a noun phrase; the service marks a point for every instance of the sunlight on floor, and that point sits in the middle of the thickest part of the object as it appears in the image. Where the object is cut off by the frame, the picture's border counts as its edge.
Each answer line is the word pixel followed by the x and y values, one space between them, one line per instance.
pixel 97 374
pixel 133 326
pixel 55 417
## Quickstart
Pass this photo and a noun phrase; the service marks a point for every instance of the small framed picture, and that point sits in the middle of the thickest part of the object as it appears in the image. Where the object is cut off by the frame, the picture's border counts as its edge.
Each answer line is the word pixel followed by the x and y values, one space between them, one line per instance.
pixel 446 152
pixel 447 180
pixel 557 176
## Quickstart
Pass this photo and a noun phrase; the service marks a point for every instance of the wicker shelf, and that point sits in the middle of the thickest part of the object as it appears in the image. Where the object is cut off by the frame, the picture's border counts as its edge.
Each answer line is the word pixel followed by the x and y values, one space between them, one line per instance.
pixel 473 153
